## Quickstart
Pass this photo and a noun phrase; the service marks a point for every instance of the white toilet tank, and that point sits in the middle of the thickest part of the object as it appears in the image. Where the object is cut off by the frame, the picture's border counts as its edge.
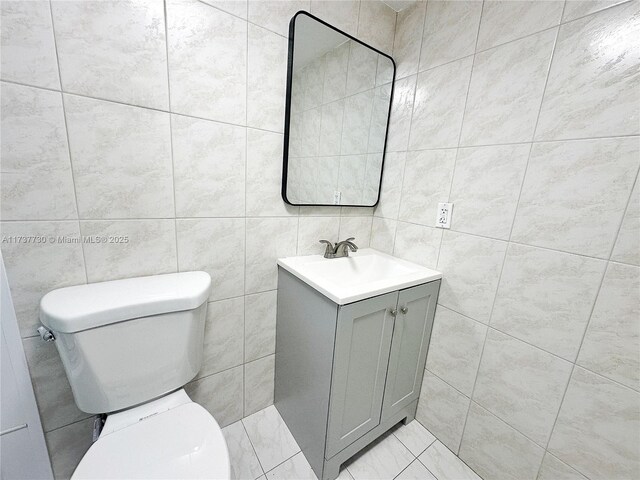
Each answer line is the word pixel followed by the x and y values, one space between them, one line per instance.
pixel 128 341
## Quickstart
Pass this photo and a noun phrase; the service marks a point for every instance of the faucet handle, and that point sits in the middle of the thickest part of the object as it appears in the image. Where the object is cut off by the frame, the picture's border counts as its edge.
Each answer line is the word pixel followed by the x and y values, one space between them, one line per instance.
pixel 330 250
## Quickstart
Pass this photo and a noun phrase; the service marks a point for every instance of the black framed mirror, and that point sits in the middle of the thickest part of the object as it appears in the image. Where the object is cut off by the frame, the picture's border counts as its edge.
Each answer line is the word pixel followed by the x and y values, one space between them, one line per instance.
pixel 339 94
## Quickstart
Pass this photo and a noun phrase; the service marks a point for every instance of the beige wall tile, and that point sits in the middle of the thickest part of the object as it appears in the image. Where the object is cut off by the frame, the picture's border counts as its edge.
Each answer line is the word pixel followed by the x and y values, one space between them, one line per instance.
pixel 587 95
pixel 34 268
pixel 450 32
pixel 597 428
pixel 471 268
pixel 37 180
pixel 506 89
pixel 557 211
pixel 221 394
pixel 545 298
pixel 455 349
pixel 28 45
pixel 611 346
pixel 521 384
pixel 121 157
pixel 107 50
pixel 209 166
pixel 495 450
pixel 223 336
pixel 67 445
pixel 442 410
pixel 207 61
pixel 503 21
pixel 133 248
pixel 485 189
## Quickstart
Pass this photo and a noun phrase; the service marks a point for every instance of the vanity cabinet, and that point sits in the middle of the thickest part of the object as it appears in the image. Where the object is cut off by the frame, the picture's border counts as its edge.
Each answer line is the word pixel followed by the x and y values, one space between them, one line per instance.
pixel 345 374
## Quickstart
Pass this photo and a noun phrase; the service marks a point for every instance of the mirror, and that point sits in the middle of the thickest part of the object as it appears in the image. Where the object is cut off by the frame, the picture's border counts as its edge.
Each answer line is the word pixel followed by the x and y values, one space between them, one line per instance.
pixel 339 93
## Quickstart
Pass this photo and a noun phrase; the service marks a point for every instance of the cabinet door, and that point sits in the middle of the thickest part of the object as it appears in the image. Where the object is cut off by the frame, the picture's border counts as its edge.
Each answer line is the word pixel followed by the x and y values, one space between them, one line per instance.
pixel 416 308
pixel 361 355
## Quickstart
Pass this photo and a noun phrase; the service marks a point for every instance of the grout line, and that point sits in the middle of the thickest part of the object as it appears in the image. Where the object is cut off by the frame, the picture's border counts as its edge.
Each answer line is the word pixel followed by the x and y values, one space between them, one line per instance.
pixel 84 419
pixel 428 467
pixel 284 461
pixel 504 260
pixel 535 127
pixel 242 18
pixel 173 169
pixel 457 457
pixel 508 335
pixel 624 214
pixel 575 362
pixel 66 130
pixel 484 344
pixel 246 432
pixel 559 24
pixel 464 111
pixel 480 145
pixel 160 110
pixel 405 153
pixel 421 451
pixel 467 396
pixel 246 167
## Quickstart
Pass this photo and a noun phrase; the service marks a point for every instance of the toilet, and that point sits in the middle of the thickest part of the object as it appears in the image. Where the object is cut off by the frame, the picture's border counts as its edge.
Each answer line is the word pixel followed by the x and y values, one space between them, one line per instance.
pixel 128 347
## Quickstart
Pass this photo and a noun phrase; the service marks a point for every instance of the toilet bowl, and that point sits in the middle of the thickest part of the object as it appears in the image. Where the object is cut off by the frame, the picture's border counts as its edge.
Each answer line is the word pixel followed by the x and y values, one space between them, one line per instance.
pixel 170 438
pixel 128 347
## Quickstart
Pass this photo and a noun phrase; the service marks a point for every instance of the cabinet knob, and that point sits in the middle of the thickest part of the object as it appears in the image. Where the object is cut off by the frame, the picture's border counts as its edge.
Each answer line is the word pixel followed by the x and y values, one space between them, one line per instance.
pixel 404 310
pixel 393 312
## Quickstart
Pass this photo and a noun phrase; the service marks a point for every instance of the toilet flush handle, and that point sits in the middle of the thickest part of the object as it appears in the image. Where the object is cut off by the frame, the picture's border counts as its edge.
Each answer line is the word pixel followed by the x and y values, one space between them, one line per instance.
pixel 46 334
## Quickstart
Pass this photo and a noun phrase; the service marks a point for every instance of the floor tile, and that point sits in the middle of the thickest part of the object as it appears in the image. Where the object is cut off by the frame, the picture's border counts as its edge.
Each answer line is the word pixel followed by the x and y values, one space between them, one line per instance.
pixel 382 460
pixel 270 437
pixel 344 475
pixel 415 437
pixel 415 471
pixel 296 468
pixel 244 462
pixel 442 463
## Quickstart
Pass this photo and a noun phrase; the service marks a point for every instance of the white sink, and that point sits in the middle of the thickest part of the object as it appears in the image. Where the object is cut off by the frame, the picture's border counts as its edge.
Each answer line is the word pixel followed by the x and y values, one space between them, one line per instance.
pixel 365 273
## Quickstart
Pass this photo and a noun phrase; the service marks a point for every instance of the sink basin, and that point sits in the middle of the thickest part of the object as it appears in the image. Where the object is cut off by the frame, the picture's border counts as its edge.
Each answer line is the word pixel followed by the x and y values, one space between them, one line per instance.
pixel 364 274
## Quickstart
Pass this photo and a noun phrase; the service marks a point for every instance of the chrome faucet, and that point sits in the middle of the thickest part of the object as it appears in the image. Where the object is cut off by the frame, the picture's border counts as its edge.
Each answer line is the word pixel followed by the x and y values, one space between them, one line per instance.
pixel 340 249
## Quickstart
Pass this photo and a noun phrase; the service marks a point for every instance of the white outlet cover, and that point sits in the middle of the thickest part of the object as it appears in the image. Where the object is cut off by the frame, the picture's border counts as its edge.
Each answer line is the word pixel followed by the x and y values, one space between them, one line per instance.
pixel 443 218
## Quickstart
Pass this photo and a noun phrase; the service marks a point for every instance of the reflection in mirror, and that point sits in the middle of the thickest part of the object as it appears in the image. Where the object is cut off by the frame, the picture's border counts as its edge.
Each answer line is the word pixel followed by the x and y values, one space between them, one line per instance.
pixel 338 101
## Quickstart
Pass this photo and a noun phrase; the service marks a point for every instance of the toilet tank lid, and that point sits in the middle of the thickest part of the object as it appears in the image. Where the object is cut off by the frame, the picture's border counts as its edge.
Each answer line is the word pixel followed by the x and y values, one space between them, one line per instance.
pixel 73 309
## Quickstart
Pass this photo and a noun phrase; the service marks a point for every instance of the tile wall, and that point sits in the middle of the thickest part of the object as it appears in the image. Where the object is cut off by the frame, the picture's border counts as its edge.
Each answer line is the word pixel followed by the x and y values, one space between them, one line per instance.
pixel 160 122
pixel 525 116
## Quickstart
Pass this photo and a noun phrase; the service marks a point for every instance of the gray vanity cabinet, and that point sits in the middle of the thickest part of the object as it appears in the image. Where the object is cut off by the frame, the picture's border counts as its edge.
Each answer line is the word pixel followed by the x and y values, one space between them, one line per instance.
pixel 346 374
pixel 363 337
pixel 411 334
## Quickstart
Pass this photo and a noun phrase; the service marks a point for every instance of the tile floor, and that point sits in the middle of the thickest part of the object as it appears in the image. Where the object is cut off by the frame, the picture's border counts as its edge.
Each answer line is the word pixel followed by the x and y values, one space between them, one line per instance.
pixel 261 447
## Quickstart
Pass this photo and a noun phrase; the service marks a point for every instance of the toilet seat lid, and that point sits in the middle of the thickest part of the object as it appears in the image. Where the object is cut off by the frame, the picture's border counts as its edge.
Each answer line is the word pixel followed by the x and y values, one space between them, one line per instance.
pixel 185 442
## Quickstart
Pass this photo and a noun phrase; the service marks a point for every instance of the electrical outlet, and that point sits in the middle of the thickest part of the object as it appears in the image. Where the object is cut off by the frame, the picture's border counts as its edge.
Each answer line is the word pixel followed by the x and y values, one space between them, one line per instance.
pixel 337 195
pixel 443 220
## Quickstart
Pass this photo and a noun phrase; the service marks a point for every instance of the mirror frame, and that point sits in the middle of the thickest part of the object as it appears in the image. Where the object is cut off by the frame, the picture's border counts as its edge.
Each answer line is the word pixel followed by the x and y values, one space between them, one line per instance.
pixel 287 115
